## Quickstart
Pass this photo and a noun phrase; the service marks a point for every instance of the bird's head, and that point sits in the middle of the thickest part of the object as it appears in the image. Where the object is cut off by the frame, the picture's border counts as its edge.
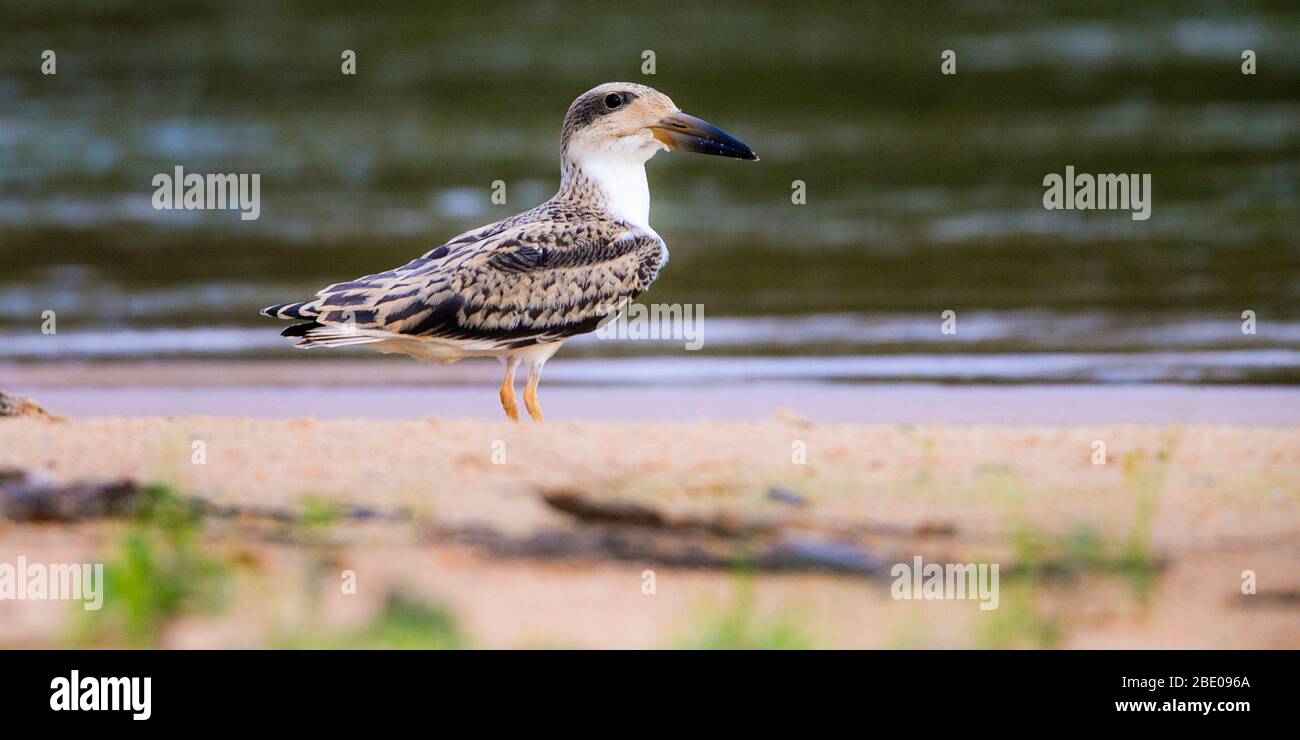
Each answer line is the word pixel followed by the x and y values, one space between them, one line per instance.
pixel 624 120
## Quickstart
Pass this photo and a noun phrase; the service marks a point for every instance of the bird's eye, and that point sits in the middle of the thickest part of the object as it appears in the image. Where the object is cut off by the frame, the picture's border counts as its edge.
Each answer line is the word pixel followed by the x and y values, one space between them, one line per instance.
pixel 613 100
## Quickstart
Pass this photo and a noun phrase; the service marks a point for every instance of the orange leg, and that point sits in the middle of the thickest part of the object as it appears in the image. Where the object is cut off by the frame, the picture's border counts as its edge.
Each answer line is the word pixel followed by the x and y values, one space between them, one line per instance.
pixel 508 391
pixel 530 394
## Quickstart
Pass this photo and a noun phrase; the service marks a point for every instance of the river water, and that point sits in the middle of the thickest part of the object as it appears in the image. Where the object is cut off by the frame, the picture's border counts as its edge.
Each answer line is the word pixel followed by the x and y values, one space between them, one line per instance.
pixel 924 190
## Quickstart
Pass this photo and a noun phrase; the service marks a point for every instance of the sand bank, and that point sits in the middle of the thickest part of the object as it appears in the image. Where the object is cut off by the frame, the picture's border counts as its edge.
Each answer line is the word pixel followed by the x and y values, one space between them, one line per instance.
pixel 1147 549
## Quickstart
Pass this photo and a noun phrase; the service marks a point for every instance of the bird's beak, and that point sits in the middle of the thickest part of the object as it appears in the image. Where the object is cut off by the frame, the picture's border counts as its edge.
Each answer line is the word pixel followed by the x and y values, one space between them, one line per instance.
pixel 689 134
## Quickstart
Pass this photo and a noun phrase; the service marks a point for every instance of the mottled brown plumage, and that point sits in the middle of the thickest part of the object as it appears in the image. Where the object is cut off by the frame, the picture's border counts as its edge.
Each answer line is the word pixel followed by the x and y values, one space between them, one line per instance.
pixel 546 274
pixel 516 289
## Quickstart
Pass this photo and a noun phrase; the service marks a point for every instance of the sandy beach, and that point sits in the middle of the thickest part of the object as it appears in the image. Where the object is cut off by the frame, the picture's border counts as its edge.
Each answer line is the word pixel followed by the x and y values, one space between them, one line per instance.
pixel 534 536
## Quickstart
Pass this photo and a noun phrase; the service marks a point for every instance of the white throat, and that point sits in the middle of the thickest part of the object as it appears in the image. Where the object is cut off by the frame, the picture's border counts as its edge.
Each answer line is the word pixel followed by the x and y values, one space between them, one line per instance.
pixel 618 172
pixel 624 185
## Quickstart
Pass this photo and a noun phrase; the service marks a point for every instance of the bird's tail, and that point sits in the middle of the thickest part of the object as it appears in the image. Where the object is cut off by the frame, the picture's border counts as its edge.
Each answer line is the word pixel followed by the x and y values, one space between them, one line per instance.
pixel 298 311
pixel 314 334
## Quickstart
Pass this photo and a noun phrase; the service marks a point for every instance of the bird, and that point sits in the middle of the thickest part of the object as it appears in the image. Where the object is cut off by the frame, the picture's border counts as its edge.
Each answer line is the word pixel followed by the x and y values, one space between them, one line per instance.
pixel 518 288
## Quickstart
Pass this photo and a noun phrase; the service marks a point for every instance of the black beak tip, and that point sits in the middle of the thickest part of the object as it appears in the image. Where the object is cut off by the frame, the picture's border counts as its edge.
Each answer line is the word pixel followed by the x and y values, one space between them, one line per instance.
pixel 736 149
pixel 688 133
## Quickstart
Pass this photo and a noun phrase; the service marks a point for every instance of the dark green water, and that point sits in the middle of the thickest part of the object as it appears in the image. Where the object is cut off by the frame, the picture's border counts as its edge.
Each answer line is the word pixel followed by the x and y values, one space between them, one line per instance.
pixel 923 190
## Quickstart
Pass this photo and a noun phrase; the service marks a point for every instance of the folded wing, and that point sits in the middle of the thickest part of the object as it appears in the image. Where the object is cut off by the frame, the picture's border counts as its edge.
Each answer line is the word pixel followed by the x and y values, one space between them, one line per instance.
pixel 503 286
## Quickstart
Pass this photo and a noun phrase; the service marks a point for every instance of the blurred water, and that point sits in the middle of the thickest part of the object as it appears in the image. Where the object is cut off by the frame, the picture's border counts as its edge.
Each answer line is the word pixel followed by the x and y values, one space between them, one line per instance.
pixel 924 190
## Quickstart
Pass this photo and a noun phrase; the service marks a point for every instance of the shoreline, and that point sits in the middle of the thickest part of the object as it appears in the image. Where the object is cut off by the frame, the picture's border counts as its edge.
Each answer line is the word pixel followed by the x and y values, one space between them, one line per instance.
pixel 1268 366
pixel 612 390
pixel 1037 405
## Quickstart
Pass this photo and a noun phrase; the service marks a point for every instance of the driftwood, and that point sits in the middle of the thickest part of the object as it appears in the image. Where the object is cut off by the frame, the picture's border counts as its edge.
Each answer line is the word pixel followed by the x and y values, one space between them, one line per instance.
pixel 11 405
pixel 599 529
pixel 668 548
pixel 590 510
pixel 31 497
pixel 635 532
